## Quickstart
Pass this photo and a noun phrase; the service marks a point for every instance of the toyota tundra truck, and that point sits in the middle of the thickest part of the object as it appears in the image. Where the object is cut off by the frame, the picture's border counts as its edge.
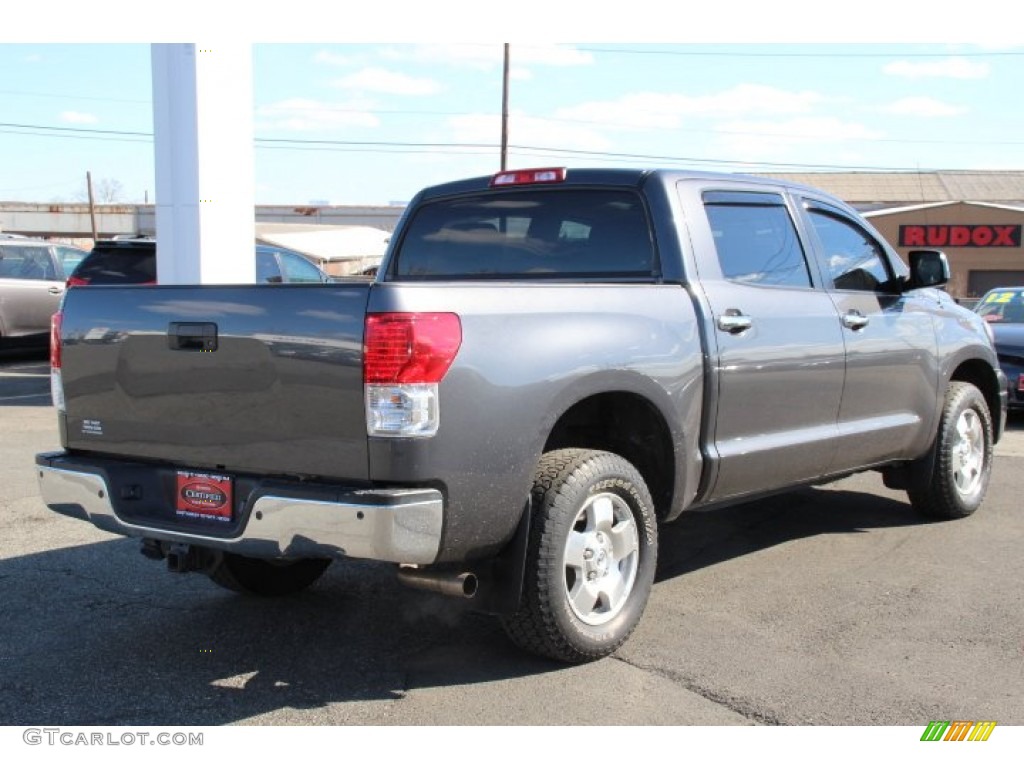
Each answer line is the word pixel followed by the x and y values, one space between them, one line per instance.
pixel 550 365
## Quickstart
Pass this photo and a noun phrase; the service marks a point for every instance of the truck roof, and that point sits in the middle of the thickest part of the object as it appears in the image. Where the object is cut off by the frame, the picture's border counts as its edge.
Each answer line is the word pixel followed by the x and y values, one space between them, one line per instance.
pixel 628 177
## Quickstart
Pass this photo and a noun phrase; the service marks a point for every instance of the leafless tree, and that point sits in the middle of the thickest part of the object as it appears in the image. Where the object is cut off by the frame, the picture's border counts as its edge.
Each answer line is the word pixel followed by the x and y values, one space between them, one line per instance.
pixel 104 191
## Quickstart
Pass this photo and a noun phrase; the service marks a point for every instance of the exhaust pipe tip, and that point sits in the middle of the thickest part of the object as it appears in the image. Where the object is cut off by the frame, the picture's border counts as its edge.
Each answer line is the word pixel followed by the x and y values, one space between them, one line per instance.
pixel 464 585
pixel 470 583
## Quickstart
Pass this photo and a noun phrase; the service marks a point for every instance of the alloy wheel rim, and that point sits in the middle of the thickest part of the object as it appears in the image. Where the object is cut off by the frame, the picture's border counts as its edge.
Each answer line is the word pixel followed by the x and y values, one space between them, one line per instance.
pixel 968 455
pixel 601 559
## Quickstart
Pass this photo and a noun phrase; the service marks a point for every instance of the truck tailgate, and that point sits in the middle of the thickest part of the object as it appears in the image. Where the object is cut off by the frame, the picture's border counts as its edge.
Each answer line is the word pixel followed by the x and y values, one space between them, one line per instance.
pixel 246 378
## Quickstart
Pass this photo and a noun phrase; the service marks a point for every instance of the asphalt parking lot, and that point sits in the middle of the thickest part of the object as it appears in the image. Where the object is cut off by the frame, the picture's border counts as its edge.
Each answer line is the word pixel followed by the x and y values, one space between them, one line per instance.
pixel 833 605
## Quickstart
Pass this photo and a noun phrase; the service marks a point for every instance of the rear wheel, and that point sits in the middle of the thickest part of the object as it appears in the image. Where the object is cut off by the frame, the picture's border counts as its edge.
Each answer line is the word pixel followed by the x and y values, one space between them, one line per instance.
pixel 591 557
pixel 961 459
pixel 267 578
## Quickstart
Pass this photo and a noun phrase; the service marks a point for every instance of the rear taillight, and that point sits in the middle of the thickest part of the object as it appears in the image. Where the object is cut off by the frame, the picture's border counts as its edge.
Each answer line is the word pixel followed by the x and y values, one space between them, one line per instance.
pixel 405 356
pixel 73 281
pixel 56 381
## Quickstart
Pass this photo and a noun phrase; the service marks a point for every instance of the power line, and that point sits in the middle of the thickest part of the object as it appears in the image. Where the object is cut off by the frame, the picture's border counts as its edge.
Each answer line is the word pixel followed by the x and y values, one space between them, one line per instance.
pixel 27 129
pixel 75 130
pixel 395 147
pixel 76 137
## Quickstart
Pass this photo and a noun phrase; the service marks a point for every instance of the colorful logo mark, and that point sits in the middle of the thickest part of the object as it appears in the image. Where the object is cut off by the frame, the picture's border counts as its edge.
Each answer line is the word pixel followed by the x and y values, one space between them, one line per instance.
pixel 958 730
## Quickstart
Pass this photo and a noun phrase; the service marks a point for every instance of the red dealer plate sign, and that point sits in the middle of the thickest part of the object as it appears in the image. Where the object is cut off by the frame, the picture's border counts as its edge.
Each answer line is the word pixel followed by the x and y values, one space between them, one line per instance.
pixel 203 496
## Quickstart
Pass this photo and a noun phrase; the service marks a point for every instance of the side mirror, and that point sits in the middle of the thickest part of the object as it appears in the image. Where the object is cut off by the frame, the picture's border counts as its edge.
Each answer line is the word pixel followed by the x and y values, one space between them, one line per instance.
pixel 928 269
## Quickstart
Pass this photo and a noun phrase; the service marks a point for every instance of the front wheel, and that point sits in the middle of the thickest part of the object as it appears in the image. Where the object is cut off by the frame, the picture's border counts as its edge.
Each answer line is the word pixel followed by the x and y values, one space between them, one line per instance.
pixel 591 556
pixel 267 578
pixel 961 458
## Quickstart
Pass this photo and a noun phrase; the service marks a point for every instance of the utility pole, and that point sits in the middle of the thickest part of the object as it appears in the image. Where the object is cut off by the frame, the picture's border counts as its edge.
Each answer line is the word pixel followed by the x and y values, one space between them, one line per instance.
pixel 504 112
pixel 92 204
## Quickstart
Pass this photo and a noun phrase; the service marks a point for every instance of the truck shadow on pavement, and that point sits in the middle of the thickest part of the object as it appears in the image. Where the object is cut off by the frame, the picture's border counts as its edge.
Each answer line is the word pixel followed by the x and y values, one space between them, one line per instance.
pixel 98 635
pixel 703 538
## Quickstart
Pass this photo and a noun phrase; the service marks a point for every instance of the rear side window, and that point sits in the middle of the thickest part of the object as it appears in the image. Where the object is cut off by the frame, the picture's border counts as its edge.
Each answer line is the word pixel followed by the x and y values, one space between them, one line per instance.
pixel 756 240
pixel 534 233
pixel 69 258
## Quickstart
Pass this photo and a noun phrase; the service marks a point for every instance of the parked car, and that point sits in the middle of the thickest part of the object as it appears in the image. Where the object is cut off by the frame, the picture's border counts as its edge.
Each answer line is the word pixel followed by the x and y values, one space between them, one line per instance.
pixel 133 260
pixel 32 277
pixel 1003 309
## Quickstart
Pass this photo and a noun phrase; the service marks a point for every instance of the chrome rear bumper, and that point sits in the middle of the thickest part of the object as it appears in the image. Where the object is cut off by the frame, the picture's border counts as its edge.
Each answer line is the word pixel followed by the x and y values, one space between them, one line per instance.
pixel 396 525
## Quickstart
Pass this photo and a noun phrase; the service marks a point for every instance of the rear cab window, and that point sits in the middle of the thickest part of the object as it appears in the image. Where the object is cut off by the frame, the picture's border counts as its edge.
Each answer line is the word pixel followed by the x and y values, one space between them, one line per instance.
pixel 112 265
pixel 537 234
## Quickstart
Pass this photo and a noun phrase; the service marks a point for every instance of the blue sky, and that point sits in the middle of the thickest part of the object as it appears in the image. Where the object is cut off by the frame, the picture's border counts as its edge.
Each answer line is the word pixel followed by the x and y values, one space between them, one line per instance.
pixel 394 117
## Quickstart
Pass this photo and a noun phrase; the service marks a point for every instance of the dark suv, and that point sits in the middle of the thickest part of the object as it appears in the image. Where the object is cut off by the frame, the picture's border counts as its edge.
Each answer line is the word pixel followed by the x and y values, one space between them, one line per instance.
pixel 133 260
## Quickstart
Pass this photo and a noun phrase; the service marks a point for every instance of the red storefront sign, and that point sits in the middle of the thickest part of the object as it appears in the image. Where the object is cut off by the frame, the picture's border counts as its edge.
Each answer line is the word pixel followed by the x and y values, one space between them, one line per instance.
pixel 960 235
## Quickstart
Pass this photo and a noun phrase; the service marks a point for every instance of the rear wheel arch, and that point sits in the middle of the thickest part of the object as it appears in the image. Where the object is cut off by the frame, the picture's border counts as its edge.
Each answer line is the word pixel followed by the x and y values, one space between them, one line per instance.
pixel 629 425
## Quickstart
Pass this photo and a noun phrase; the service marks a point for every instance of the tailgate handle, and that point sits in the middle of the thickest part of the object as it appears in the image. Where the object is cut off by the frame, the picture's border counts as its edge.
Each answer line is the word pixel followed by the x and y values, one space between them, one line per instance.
pixel 196 337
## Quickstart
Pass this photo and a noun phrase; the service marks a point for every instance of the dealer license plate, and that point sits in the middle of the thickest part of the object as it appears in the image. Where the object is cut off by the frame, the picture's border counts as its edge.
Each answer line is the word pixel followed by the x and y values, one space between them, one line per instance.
pixel 204 496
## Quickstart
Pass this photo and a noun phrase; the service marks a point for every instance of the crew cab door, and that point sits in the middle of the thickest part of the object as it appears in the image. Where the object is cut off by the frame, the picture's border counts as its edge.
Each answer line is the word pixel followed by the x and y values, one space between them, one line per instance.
pixel 892 375
pixel 775 343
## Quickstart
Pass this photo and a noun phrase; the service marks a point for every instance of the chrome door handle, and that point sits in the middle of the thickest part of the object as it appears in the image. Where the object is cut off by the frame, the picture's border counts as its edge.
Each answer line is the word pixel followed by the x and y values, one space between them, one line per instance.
pixel 854 320
pixel 54 290
pixel 734 322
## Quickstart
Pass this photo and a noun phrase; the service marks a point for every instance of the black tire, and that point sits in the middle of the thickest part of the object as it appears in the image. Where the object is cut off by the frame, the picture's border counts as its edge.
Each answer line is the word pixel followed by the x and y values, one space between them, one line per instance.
pixel 961 459
pixel 267 578
pixel 591 557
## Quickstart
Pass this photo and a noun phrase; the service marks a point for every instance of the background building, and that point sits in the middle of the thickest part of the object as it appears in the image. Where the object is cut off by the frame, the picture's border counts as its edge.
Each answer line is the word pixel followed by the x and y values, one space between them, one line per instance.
pixel 976 217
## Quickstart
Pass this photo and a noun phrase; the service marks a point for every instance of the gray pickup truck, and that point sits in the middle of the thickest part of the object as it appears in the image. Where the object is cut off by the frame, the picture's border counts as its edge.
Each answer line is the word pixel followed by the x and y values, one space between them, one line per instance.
pixel 549 366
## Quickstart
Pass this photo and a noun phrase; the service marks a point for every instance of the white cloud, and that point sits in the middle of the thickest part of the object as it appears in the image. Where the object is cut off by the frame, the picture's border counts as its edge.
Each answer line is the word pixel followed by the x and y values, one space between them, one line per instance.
pixel 765 140
pixel 526 131
pixel 79 118
pixel 334 59
pixel 385 81
pixel 666 110
pixel 955 67
pixel 310 115
pixel 922 106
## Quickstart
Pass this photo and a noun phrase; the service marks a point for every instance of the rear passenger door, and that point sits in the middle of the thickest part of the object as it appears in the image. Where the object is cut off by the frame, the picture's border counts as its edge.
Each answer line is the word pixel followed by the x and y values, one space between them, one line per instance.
pixel 889 393
pixel 775 341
